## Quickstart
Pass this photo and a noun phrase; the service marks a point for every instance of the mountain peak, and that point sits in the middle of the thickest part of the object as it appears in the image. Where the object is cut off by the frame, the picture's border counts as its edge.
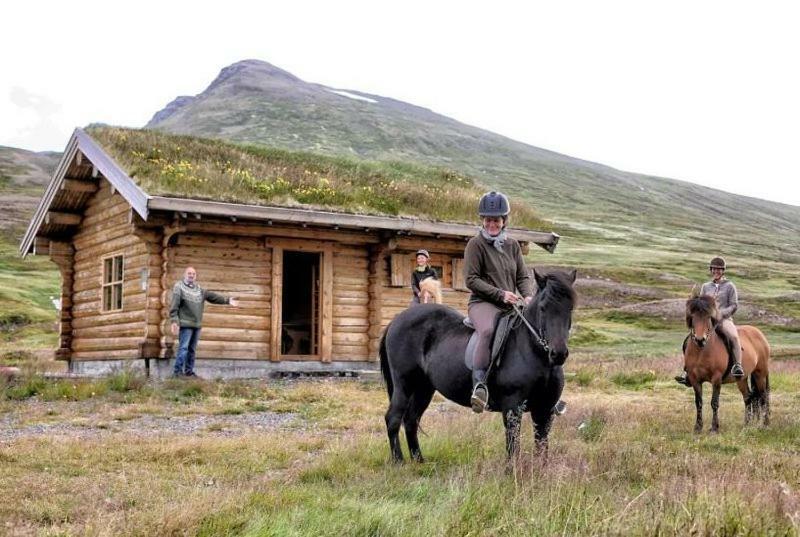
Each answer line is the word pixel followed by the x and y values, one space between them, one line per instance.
pixel 256 69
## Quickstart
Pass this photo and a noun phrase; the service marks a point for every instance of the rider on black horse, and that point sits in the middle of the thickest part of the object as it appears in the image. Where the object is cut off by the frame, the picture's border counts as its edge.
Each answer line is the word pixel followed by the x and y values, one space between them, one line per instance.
pixel 494 271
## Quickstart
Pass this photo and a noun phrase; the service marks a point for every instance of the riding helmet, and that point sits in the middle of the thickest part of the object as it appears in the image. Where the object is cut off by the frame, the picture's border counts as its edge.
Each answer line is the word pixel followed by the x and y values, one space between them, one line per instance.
pixel 493 204
pixel 423 252
pixel 717 262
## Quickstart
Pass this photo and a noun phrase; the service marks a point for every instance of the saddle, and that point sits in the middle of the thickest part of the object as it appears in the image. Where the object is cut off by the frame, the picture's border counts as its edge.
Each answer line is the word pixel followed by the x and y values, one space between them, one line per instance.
pixel 728 346
pixel 502 328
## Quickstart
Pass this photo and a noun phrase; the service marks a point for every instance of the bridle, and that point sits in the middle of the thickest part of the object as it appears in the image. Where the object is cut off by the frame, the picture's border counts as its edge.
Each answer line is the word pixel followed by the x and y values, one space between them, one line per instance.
pixel 701 342
pixel 541 340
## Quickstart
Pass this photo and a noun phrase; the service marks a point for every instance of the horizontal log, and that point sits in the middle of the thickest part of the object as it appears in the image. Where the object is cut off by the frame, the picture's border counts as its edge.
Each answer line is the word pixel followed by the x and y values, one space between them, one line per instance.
pixel 122 354
pixel 62 219
pixel 227 242
pixel 193 252
pixel 135 303
pixel 80 345
pixel 213 279
pixel 349 301
pixel 257 229
pixel 102 204
pixel 97 241
pixel 344 353
pixel 122 317
pixel 351 329
pixel 89 330
pixel 127 245
pixel 344 338
pixel 361 280
pixel 110 332
pixel 351 311
pixel 242 322
pixel 180 262
pixel 250 356
pixel 349 321
pixel 212 333
pixel 351 295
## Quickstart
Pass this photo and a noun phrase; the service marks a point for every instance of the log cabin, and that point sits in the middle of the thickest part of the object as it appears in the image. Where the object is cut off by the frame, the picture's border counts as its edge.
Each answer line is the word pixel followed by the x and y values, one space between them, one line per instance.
pixel 316 287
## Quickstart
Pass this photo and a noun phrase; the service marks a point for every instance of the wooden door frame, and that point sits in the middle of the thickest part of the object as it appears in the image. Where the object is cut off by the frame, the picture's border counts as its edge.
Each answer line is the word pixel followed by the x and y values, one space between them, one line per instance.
pixel 278 246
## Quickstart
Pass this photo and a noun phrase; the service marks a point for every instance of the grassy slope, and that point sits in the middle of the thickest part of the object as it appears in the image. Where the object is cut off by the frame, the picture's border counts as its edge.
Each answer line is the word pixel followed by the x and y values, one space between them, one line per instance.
pixel 624 227
pixel 27 316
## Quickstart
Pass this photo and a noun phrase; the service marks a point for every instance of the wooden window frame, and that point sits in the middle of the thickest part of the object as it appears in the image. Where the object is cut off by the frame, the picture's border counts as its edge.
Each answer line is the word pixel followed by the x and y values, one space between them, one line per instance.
pixel 401 265
pixel 112 283
pixel 278 246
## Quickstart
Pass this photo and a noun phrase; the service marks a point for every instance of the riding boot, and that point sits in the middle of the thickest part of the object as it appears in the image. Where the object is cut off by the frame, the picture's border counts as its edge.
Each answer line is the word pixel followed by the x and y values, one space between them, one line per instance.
pixel 683 378
pixel 736 371
pixel 480 393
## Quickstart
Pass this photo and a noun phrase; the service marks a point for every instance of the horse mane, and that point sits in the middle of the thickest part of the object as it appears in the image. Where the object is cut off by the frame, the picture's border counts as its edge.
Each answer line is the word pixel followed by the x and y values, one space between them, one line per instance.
pixel 702 305
pixel 558 286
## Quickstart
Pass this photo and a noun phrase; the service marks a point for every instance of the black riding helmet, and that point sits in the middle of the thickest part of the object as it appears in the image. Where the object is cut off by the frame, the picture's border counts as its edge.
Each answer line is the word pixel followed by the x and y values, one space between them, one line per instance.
pixel 494 204
pixel 717 262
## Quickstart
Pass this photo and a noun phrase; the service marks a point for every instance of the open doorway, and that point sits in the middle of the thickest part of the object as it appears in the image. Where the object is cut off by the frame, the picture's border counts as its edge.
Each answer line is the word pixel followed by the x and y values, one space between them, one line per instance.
pixel 300 307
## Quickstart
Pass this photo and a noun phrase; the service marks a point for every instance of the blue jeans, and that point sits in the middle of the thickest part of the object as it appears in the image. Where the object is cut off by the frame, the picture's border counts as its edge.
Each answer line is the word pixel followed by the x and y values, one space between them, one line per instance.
pixel 187 344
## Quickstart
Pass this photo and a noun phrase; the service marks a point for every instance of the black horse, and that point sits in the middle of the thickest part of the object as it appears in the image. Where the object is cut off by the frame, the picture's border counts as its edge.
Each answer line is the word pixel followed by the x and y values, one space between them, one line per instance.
pixel 423 348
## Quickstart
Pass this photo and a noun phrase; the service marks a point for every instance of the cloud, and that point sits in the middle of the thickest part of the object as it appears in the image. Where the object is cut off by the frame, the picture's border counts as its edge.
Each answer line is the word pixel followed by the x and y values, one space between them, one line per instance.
pixel 35 120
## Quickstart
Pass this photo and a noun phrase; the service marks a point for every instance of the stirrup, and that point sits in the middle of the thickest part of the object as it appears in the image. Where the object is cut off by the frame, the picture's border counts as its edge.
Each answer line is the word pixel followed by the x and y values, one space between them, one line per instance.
pixel 560 408
pixel 682 379
pixel 480 398
pixel 739 374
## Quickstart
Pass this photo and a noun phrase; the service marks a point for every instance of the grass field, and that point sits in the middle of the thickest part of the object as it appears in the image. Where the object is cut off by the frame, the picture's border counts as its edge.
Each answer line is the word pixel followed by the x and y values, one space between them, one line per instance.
pixel 309 457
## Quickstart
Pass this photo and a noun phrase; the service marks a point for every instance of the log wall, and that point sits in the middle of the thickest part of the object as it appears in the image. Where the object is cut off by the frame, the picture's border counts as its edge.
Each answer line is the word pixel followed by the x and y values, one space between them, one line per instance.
pixel 105 230
pixel 233 266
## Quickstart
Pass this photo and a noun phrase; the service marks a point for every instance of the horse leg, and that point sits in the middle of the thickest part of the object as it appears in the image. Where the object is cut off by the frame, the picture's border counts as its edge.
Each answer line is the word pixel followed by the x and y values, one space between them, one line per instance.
pixel 698 403
pixel 748 397
pixel 420 400
pixel 394 417
pixel 512 419
pixel 715 406
pixel 541 429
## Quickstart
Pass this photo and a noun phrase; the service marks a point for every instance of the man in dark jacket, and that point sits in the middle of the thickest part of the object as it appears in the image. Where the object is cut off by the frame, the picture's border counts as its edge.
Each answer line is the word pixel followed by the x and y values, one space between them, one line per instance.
pixel 186 316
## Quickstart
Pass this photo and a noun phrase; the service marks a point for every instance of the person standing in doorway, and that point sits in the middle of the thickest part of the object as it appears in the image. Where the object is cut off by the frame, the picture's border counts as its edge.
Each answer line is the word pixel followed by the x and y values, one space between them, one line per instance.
pixel 421 272
pixel 186 316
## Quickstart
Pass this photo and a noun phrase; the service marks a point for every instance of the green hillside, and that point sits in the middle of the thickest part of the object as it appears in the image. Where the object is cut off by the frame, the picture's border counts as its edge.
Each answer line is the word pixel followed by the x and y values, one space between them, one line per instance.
pixel 27 315
pixel 642 241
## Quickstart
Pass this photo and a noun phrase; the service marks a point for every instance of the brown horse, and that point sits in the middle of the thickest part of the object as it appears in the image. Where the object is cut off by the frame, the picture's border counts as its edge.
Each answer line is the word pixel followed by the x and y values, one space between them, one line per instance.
pixel 706 360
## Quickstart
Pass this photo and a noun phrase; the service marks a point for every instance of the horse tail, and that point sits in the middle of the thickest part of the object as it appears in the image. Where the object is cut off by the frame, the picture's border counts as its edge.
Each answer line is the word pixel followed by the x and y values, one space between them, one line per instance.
pixel 385 371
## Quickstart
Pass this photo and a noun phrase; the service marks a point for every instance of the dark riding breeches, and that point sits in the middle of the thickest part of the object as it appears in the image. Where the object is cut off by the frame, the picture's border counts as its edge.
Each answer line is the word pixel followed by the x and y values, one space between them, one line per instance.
pixel 483 316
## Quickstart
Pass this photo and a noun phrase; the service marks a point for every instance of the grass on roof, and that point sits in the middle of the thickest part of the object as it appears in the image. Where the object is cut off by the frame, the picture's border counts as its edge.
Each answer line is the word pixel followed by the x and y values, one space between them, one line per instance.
pixel 198 168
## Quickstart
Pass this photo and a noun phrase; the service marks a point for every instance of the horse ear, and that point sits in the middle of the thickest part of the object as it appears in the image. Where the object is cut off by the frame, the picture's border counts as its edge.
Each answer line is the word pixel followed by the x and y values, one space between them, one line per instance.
pixel 695 292
pixel 573 275
pixel 540 279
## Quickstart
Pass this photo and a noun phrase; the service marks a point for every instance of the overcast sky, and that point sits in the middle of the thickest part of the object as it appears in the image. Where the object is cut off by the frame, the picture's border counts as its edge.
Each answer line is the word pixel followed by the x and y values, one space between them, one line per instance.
pixel 703 91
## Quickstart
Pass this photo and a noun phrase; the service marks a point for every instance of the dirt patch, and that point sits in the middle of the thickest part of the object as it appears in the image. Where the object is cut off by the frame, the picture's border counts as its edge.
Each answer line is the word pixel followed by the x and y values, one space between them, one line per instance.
pixel 674 309
pixel 595 293
pixel 94 425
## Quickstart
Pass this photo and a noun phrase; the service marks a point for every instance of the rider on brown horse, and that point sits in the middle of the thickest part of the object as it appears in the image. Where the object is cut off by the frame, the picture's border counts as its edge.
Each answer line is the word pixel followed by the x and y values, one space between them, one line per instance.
pixel 723 290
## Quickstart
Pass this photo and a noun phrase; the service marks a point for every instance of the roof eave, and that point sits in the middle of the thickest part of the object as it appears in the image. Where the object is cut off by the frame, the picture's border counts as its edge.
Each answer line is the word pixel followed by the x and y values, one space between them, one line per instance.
pixel 546 240
pixel 80 141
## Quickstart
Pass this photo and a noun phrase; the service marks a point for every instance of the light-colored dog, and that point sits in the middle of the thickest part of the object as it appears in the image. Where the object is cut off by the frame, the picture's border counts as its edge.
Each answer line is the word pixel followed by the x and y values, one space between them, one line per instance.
pixel 430 290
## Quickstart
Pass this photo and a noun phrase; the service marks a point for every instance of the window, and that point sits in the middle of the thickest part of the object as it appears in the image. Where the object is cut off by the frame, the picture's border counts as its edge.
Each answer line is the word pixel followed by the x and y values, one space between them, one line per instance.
pixel 112 283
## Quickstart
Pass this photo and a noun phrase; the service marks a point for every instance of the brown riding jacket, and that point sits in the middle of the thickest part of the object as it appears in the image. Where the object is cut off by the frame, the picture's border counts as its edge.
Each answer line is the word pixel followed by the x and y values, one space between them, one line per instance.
pixel 488 272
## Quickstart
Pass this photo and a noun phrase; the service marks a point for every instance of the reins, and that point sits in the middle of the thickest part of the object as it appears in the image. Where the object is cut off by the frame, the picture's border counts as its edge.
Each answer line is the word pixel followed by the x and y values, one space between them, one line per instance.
pixel 520 311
